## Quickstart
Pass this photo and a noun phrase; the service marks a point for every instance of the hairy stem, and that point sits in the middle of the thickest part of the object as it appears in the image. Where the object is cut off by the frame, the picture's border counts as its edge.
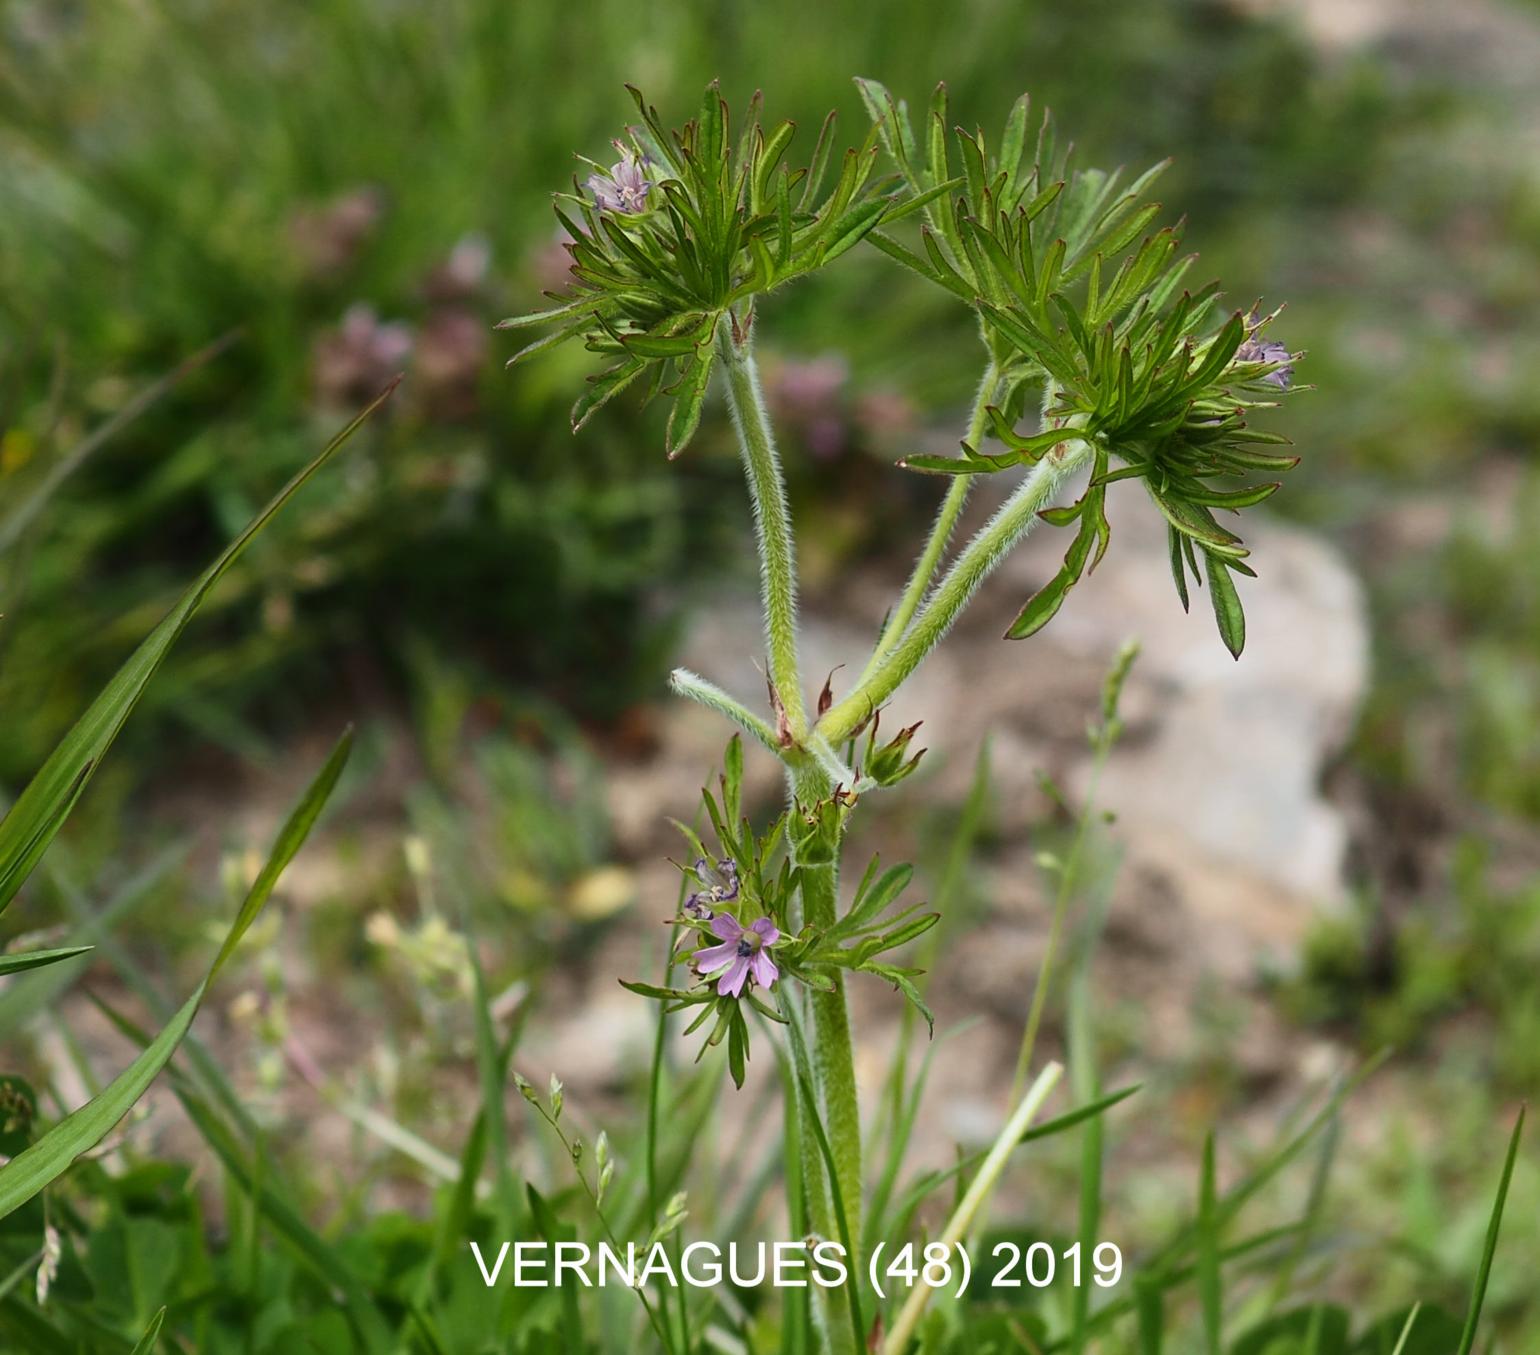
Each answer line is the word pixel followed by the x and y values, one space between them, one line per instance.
pixel 696 688
pixel 941 533
pixel 772 521
pixel 827 1064
pixel 830 1059
pixel 983 553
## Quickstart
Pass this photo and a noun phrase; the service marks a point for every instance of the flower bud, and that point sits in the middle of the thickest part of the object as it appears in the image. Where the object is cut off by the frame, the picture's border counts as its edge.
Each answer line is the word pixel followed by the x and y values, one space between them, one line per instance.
pixel 890 764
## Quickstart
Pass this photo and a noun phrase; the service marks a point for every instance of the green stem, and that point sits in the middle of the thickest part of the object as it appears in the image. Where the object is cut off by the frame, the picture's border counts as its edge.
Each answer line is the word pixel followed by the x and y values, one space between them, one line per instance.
pixel 772 520
pixel 940 534
pixel 832 1071
pixel 692 685
pixel 983 553
pixel 826 1063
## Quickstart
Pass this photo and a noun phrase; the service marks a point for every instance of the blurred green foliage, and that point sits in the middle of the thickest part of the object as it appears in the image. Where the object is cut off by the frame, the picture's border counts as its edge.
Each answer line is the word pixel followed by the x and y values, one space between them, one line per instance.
pixel 180 170
pixel 1421 982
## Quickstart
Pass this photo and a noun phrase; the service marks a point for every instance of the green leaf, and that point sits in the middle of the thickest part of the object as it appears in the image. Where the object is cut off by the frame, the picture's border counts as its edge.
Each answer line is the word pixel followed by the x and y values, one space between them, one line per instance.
pixel 1494 1227
pixel 146 1344
pixel 580 306
pixel 892 120
pixel 850 229
pixel 684 418
pixel 920 201
pixel 1019 329
pixel 907 987
pixel 970 463
pixel 1033 444
pixel 732 779
pixel 1248 497
pixel 936 162
pixel 36 959
pixel 662 994
pixel 737 1047
pixel 30 1171
pixel 897 252
pixel 870 903
pixel 1013 142
pixel 1063 516
pixel 1174 541
pixel 661 345
pixel 1081 1113
pixel 41 809
pixel 603 388
pixel 1208 1250
pixel 1043 606
pixel 1227 605
pixel 1149 1305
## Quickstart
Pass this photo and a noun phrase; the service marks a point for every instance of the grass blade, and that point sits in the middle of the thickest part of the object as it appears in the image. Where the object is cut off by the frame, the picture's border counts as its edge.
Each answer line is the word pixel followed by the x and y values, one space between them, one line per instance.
pixel 15 524
pixel 151 1338
pixel 1479 1293
pixel 1406 1331
pixel 37 959
pixel 1208 1250
pixel 41 809
pixel 28 994
pixel 326 1261
pixel 44 1161
pixel 492 1075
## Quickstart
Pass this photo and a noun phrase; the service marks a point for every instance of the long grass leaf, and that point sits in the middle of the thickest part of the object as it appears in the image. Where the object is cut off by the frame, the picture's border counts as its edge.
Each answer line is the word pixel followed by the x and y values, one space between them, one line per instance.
pixel 44 1161
pixel 38 959
pixel 151 1338
pixel 326 1261
pixel 37 991
pixel 41 809
pixel 1208 1250
pixel 1494 1227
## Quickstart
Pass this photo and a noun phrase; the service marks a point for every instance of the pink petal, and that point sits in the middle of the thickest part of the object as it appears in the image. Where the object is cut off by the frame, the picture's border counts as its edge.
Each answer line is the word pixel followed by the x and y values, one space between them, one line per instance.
pixel 731 983
pixel 726 927
pixel 713 957
pixel 765 972
pixel 767 931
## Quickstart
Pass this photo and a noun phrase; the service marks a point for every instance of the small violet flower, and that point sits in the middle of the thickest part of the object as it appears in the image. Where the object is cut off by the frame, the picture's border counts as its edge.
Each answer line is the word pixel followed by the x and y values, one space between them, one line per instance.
pixel 720 885
pixel 744 951
pixel 626 187
pixel 1268 350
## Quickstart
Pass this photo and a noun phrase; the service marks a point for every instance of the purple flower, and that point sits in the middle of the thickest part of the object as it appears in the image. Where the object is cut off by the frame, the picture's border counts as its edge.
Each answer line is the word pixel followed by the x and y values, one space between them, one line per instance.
pixel 720 885
pixel 744 952
pixel 626 187
pixel 1268 350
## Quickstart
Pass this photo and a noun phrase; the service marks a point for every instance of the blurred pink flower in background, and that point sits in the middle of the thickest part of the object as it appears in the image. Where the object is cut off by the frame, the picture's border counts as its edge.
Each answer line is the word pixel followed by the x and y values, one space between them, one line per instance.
pixel 352 362
pixel 462 275
pixel 451 352
pixel 808 394
pixel 327 237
